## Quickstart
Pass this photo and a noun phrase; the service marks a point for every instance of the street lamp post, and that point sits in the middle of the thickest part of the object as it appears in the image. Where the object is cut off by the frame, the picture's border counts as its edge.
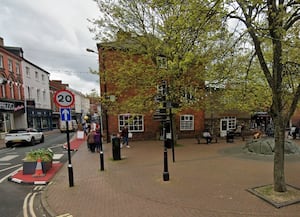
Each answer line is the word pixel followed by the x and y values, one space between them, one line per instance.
pixel 101 146
pixel 105 91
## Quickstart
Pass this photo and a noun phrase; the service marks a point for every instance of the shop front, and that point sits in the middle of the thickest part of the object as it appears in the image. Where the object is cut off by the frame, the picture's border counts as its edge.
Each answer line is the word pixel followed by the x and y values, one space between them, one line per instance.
pixel 11 115
pixel 40 119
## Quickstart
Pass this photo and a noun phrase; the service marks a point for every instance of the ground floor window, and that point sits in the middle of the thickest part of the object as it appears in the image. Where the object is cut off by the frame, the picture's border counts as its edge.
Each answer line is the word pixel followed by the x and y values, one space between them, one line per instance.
pixel 5 124
pixel 186 122
pixel 135 122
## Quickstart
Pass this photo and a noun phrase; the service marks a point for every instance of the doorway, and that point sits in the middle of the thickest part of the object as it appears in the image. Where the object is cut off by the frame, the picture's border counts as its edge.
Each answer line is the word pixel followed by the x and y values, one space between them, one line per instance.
pixel 227 124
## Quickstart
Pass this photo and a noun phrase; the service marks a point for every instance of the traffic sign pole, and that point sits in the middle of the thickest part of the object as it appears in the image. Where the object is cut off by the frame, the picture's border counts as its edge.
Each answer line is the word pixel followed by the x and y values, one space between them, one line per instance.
pixel 70 168
pixel 65 99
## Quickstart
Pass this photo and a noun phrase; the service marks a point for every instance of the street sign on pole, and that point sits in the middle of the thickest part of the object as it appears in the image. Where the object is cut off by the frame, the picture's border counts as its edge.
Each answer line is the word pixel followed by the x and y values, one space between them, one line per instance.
pixel 65 114
pixel 64 98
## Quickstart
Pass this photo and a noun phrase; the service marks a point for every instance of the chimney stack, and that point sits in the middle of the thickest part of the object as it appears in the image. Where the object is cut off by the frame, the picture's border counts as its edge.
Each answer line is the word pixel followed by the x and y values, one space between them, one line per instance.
pixel 1 42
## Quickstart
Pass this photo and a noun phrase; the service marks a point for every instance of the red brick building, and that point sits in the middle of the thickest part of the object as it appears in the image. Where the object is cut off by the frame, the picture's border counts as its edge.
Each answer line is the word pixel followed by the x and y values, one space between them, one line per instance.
pixel 188 123
pixel 55 85
pixel 12 106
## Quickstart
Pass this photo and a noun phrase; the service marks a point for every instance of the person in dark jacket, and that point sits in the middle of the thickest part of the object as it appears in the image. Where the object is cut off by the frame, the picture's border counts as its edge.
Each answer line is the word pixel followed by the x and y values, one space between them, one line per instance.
pixel 98 140
pixel 91 141
pixel 124 136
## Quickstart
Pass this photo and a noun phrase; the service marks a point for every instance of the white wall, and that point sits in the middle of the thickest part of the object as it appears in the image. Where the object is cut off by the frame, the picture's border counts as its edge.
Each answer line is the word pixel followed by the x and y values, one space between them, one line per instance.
pixel 36 85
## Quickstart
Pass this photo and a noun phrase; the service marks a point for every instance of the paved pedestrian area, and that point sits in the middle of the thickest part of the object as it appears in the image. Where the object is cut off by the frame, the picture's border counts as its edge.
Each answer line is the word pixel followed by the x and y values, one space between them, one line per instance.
pixel 205 180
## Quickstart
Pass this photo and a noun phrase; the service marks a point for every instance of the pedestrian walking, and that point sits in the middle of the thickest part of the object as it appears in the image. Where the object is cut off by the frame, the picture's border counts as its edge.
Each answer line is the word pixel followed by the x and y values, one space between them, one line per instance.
pixel 124 136
pixel 98 140
pixel 91 141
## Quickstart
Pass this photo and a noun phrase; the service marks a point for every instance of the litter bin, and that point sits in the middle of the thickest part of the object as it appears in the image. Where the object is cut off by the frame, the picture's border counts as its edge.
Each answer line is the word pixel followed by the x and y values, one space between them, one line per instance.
pixel 229 136
pixel 168 143
pixel 116 150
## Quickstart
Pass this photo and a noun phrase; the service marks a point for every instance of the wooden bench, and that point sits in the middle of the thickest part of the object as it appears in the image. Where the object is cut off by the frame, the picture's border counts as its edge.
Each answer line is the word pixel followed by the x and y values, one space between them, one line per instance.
pixel 200 138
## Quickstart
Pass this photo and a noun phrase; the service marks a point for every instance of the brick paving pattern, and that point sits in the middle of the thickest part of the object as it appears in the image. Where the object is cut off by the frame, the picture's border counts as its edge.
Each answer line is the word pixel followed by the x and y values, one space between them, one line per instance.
pixel 205 180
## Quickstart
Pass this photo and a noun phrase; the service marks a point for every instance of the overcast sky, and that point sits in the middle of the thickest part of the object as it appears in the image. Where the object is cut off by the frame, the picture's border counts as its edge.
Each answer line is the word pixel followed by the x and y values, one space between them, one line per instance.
pixel 54 35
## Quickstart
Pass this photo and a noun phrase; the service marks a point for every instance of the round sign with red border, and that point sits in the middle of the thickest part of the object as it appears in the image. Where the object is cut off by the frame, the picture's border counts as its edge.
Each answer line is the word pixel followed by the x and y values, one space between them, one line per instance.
pixel 64 98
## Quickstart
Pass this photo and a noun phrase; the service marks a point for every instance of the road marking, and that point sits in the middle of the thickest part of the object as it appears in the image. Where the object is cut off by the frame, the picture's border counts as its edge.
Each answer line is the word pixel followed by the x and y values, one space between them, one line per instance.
pixel 11 174
pixel 31 210
pixel 57 156
pixel 5 164
pixel 25 205
pixel 65 215
pixel 8 168
pixel 6 150
pixel 8 157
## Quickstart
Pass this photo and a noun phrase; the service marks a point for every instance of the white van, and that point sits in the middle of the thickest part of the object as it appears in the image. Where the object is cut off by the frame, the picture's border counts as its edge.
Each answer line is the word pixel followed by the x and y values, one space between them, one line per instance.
pixel 72 126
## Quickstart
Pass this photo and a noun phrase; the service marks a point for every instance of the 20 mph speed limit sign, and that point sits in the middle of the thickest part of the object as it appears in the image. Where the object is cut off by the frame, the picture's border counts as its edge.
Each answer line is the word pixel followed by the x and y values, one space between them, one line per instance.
pixel 64 98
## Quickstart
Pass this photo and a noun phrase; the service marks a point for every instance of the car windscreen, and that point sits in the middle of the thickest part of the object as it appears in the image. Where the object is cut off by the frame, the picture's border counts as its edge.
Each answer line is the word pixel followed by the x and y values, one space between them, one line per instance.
pixel 17 131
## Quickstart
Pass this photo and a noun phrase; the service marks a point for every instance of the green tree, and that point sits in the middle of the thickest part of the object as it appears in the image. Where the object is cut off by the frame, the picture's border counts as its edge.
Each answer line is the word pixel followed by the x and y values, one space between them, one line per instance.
pixel 182 32
pixel 273 27
pixel 194 38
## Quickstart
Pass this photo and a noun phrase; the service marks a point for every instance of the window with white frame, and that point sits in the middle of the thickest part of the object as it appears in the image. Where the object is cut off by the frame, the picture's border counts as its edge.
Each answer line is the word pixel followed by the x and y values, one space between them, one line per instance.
pixel 10 65
pixel 38 95
pixel 135 122
pixel 27 69
pixel 17 68
pixel 231 122
pixel 36 75
pixel 43 77
pixel 44 95
pixel 19 91
pixel 3 91
pixel 186 122
pixel 12 91
pixel 28 92
pixel 1 62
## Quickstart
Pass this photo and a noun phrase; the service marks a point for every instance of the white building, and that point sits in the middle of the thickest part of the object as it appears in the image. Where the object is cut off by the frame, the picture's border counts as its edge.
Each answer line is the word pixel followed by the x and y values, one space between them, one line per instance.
pixel 37 96
pixel 82 105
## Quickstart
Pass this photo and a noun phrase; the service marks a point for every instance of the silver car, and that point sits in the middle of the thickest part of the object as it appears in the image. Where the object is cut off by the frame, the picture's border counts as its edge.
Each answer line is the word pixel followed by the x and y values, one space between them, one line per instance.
pixel 29 136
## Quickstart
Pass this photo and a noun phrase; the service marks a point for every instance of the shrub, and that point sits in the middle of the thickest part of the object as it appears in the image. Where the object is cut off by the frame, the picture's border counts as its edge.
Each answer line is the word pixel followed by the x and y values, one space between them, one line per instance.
pixel 46 155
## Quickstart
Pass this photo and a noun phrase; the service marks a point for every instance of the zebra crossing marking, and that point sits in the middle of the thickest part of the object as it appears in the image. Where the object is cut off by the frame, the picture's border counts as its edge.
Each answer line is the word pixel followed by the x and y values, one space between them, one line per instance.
pixel 8 157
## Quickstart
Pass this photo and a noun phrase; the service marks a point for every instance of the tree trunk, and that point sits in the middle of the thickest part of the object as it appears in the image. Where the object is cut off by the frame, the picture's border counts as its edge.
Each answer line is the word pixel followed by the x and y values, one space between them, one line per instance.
pixel 279 178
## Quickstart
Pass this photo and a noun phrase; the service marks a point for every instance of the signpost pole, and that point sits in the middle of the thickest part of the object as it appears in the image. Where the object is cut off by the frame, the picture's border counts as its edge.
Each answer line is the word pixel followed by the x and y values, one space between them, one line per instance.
pixel 70 168
pixel 65 99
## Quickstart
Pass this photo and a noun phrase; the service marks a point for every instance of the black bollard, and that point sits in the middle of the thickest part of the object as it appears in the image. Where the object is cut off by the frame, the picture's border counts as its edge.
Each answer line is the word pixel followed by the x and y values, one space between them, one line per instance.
pixel 166 172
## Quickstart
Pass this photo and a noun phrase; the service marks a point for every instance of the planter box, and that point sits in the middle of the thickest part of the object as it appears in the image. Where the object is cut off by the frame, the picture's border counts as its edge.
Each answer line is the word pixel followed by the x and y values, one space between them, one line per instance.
pixel 29 167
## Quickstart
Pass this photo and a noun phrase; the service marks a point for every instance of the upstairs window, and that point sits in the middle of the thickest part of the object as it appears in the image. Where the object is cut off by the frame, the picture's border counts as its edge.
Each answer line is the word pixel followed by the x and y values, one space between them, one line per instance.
pixel 27 72
pixel 19 92
pixel 38 95
pixel 44 95
pixel 1 62
pixel 17 68
pixel 12 91
pixel 3 91
pixel 10 65
pixel 36 75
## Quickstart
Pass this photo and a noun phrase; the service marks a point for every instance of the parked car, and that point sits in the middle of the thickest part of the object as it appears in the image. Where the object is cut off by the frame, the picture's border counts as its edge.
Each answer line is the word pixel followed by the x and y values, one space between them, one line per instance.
pixel 29 136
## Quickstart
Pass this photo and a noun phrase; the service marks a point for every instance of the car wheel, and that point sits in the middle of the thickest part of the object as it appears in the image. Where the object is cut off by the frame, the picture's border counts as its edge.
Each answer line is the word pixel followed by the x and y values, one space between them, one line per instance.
pixel 42 139
pixel 32 141
pixel 8 145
